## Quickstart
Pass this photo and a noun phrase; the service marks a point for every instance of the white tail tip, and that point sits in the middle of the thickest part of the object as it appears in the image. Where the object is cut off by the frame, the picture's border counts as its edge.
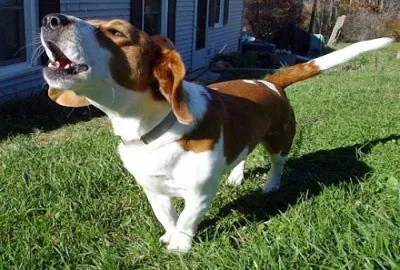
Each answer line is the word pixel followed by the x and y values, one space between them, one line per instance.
pixel 341 56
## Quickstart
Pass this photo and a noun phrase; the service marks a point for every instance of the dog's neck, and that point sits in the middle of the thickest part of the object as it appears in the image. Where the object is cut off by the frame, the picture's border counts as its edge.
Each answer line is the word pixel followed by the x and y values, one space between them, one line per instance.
pixel 132 113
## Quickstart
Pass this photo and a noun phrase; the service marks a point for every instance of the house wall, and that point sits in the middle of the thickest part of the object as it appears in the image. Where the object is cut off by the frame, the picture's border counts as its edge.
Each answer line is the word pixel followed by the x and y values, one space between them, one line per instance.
pixel 185 9
pixel 184 30
pixel 228 34
pixel 217 38
pixel 21 85
pixel 97 9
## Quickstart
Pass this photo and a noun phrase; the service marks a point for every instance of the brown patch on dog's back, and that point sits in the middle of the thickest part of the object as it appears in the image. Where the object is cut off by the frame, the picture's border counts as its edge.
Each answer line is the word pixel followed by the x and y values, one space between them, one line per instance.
pixel 206 133
pixel 245 112
pixel 252 112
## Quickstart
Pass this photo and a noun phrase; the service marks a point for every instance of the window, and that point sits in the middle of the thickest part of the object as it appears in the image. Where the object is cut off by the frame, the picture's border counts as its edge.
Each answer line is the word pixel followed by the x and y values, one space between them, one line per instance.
pixel 18 27
pixel 152 16
pixel 219 10
pixel 13 32
pixel 201 24
pixel 155 16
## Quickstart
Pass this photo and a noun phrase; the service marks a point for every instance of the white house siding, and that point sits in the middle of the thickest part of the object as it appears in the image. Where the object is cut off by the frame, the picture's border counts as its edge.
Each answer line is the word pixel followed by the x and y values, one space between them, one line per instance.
pixel 184 30
pixel 228 34
pixel 217 38
pixel 97 9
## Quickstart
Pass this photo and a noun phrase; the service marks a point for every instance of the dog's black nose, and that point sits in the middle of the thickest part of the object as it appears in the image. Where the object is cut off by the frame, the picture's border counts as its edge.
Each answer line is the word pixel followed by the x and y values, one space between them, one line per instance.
pixel 53 21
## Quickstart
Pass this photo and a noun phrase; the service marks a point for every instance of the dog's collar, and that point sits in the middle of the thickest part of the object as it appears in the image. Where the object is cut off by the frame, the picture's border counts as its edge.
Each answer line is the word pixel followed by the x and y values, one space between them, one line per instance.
pixel 154 133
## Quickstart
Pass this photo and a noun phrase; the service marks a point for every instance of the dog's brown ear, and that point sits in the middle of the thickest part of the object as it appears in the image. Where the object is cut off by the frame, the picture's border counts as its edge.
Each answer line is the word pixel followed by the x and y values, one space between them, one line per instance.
pixel 163 41
pixel 169 70
pixel 67 98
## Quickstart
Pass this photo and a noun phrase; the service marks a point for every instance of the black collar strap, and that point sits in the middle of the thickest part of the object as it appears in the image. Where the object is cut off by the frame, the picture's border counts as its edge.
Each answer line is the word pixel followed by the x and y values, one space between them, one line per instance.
pixel 154 133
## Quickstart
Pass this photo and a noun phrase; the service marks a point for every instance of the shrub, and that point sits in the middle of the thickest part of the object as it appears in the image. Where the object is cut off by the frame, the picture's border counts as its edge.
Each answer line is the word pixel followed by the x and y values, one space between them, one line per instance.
pixel 391 28
pixel 249 59
pixel 361 25
pixel 267 17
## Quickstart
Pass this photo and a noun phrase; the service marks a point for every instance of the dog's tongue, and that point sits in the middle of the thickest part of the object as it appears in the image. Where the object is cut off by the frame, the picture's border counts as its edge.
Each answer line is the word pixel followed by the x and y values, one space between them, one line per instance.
pixel 63 62
pixel 57 64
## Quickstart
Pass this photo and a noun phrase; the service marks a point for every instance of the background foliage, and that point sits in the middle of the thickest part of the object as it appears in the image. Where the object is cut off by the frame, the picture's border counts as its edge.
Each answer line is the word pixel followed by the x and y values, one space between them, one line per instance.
pixel 366 19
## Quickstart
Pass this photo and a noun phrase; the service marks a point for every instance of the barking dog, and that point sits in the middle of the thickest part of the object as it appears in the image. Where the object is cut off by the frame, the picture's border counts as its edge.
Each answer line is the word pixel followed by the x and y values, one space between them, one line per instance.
pixel 177 138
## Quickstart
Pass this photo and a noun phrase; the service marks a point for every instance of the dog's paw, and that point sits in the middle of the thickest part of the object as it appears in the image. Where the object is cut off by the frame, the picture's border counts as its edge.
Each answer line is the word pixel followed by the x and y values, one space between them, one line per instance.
pixel 165 238
pixel 179 243
pixel 235 178
pixel 271 186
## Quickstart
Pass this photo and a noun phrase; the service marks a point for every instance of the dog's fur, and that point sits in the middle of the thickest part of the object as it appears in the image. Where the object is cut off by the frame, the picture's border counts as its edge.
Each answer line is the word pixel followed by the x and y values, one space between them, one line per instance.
pixel 137 80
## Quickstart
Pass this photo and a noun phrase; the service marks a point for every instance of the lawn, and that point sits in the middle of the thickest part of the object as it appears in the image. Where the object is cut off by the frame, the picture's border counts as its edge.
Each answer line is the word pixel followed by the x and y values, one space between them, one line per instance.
pixel 67 202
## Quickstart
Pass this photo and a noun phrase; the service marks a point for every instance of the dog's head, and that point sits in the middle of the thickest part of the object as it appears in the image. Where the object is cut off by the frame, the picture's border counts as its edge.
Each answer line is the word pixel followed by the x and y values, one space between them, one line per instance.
pixel 84 55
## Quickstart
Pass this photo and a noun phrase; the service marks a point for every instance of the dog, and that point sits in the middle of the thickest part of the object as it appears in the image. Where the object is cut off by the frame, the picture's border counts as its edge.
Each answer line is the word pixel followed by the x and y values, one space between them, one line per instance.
pixel 177 138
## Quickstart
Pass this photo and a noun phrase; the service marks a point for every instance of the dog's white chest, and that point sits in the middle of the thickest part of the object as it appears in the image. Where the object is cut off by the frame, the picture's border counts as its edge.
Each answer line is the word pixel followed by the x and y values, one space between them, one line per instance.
pixel 169 169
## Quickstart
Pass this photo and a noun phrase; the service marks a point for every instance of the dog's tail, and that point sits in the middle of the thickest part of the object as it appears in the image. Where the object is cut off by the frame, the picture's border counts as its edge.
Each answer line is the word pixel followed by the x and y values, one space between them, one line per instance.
pixel 307 70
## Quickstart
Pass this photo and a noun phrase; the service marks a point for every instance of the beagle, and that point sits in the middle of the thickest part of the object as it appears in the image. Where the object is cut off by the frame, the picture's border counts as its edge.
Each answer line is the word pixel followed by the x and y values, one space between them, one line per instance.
pixel 177 138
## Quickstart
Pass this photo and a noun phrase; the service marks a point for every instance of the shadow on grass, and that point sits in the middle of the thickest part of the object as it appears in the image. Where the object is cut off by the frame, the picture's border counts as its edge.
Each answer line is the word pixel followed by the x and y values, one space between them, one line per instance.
pixel 305 175
pixel 38 112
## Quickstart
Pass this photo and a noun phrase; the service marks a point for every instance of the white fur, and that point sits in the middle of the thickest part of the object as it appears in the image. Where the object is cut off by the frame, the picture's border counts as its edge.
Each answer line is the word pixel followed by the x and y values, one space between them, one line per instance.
pixel 270 86
pixel 197 97
pixel 236 176
pixel 275 173
pixel 250 82
pixel 168 171
pixel 344 55
pixel 125 108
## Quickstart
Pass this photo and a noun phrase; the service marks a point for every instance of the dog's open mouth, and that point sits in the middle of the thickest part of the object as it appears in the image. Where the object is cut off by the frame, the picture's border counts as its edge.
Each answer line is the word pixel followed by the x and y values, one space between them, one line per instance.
pixel 62 63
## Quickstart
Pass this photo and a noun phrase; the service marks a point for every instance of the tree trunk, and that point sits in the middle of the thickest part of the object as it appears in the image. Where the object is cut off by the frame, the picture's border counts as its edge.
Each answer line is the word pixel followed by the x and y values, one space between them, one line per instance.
pixel 312 19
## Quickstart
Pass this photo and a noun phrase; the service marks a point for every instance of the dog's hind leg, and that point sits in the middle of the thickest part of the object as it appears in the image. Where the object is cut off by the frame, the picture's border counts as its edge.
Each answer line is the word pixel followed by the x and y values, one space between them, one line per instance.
pixel 236 176
pixel 275 173
pixel 278 145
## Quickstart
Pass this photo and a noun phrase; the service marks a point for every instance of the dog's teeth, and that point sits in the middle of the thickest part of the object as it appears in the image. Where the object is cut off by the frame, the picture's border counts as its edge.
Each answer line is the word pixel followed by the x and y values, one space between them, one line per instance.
pixel 52 65
pixel 67 66
pixel 57 64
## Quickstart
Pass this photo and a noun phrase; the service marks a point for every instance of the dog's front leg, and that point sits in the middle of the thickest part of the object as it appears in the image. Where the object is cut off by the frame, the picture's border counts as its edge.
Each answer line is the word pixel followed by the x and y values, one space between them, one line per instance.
pixel 195 208
pixel 165 212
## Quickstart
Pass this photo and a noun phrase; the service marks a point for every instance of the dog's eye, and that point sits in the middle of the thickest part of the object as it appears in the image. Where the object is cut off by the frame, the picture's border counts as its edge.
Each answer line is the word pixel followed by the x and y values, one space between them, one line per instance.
pixel 115 32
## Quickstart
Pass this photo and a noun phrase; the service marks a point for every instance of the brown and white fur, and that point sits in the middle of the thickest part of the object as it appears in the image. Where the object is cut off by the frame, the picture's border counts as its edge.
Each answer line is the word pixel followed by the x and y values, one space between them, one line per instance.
pixel 137 80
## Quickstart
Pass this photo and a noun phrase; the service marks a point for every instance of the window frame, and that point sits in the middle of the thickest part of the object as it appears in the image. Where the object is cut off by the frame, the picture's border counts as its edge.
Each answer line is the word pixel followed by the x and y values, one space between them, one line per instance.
pixel 220 22
pixel 164 16
pixel 31 18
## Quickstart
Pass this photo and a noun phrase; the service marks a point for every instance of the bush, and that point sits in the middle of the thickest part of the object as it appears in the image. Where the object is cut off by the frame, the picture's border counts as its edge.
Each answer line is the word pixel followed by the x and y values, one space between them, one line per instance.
pixel 391 28
pixel 361 25
pixel 267 17
pixel 238 60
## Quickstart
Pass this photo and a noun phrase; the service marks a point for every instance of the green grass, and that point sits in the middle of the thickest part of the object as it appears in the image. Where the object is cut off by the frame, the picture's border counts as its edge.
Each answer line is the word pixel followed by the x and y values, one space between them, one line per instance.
pixel 67 202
